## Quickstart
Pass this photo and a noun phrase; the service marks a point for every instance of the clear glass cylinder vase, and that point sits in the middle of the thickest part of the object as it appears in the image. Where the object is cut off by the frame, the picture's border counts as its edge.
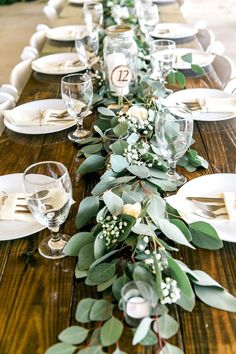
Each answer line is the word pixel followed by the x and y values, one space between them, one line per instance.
pixel 120 60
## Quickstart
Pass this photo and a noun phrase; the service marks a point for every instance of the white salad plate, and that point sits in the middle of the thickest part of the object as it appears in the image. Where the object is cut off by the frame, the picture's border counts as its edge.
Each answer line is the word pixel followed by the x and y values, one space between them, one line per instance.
pixel 199 58
pixel 201 93
pixel 57 64
pixel 65 33
pixel 207 186
pixel 36 106
pixel 11 230
pixel 173 31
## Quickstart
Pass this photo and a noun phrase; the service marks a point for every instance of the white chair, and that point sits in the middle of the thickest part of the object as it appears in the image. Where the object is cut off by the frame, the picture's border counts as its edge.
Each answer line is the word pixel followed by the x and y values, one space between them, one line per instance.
pixel 224 68
pixel 29 52
pixel 57 4
pixel 50 13
pixel 6 101
pixel 38 40
pixel 20 74
pixel 216 48
pixel 11 90
pixel 231 86
pixel 206 37
pixel 42 27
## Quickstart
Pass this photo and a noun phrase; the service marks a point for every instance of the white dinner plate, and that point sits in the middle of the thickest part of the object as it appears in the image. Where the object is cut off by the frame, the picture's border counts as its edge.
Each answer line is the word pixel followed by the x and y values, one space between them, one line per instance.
pixel 199 58
pixel 210 185
pixel 173 31
pixel 77 2
pixel 57 64
pixel 160 2
pixel 200 93
pixel 10 230
pixel 65 33
pixel 40 129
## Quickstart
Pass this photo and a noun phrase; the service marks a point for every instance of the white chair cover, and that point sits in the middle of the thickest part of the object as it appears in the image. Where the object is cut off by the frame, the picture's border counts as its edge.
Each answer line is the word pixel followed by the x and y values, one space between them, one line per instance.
pixel 20 74
pixel 231 86
pixel 38 40
pixel 206 37
pixel 50 13
pixel 224 68
pixel 29 52
pixel 57 4
pixel 11 90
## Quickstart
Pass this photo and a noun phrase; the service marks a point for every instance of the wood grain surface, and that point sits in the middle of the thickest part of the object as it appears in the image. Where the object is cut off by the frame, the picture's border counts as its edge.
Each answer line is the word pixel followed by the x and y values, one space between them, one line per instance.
pixel 38 297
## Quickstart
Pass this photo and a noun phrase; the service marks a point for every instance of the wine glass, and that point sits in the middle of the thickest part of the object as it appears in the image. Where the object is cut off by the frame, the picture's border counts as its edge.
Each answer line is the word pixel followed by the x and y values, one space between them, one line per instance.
pixel 77 94
pixel 173 132
pixel 48 193
pixel 93 14
pixel 162 58
pixel 148 19
pixel 87 46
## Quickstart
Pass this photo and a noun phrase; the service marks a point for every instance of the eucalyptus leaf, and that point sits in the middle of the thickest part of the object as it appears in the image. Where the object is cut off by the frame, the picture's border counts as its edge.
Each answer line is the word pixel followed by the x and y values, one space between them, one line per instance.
pixel 133 138
pixel 118 163
pixel 143 229
pixel 118 351
pixel 92 350
pixel 139 171
pixel 113 202
pixel 166 326
pixel 180 79
pixel 103 258
pixel 83 310
pixel 165 185
pixel 73 335
pixel 197 69
pixel 149 339
pixel 111 331
pixel 183 228
pixel 121 129
pixel 102 273
pixel 80 273
pixel 131 197
pixel 98 130
pixel 171 349
pixel 205 236
pixel 92 149
pixel 142 330
pixel 118 147
pixel 188 58
pixel 61 348
pixel 107 284
pixel 92 164
pixel 187 299
pixel 216 297
pixel 203 279
pixel 156 208
pixel 99 246
pixel 86 256
pixel 171 78
pixel 101 310
pixel 88 208
pixel 76 242
pixel 103 185
pixel 118 285
pixel 173 232
pixel 95 337
pixel 106 112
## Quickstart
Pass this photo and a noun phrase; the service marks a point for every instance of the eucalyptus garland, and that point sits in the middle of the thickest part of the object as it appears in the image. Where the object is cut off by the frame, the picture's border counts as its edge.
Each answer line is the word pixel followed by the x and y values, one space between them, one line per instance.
pixel 132 234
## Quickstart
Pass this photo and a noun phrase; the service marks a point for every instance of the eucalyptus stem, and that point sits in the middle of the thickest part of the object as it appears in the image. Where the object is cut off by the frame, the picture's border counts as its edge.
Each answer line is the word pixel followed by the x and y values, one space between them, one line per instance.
pixel 120 101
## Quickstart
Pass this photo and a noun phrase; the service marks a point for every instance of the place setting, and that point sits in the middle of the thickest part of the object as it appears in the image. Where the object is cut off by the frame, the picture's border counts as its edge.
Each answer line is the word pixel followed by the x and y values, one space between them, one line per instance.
pixel 65 33
pixel 174 31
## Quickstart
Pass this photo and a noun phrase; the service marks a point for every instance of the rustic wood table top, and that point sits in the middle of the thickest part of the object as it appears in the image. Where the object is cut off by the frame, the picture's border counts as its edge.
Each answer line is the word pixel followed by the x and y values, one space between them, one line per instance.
pixel 38 297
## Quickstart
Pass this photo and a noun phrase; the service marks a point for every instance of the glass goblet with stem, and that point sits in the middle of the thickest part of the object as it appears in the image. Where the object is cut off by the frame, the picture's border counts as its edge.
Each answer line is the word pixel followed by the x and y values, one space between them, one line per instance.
pixel 77 94
pixel 162 58
pixel 93 14
pixel 148 19
pixel 87 45
pixel 173 133
pixel 48 192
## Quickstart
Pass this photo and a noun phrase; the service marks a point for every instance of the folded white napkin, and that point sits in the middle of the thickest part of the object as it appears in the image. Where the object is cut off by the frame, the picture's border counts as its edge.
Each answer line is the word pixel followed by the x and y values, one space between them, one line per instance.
pixel 56 67
pixel 217 105
pixel 230 204
pixel 37 117
pixel 8 209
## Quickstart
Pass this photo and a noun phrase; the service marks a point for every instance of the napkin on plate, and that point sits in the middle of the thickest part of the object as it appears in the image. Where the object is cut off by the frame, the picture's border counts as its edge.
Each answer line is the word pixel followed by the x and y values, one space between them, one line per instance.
pixel 56 67
pixel 217 105
pixel 230 204
pixel 8 202
pixel 37 117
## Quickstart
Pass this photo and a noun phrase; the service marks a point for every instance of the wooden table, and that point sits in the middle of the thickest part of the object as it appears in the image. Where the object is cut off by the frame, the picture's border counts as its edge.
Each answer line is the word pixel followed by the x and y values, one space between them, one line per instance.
pixel 38 297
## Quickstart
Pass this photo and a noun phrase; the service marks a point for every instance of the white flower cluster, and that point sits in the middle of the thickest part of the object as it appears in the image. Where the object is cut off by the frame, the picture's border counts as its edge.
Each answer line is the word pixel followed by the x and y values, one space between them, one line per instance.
pixel 134 154
pixel 98 75
pixel 170 291
pixel 143 243
pixel 162 262
pixel 118 13
pixel 137 119
pixel 112 227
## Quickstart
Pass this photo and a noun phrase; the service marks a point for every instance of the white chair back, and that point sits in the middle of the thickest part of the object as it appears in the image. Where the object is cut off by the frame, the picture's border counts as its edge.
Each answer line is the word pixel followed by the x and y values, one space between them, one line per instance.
pixel 6 101
pixel 20 74
pixel 38 40
pixel 11 90
pixel 29 52
pixel 50 13
pixel 57 4
pixel 206 37
pixel 216 48
pixel 224 68
pixel 231 86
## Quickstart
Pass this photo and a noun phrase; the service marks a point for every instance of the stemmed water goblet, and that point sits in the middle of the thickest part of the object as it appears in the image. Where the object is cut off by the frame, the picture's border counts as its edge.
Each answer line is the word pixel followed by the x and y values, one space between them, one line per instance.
pixel 162 58
pixel 173 132
pixel 93 14
pixel 148 19
pixel 48 193
pixel 87 45
pixel 77 94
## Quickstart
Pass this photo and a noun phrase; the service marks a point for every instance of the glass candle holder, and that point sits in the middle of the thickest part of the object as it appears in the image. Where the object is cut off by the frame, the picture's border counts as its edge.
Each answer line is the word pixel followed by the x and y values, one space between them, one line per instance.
pixel 136 300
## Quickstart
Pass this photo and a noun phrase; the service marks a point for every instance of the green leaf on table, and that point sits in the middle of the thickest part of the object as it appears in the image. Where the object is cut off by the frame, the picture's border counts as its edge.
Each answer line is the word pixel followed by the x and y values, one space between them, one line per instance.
pixel 105 285
pixel 156 208
pixel 99 246
pixel 118 147
pixel 92 149
pixel 187 270
pixel 165 185
pixel 83 310
pixel 203 279
pixel 144 229
pixel 73 335
pixel 118 351
pixel 102 273
pixel 187 298
pixel 111 331
pixel 118 285
pixel 142 274
pixel 101 310
pixel 171 78
pixel 139 171
pixel 173 232
pixel 106 112
pixel 121 129
pixel 149 339
pixel 103 185
pixel 166 326
pixel 131 197
pixel 118 163
pixel 61 348
pixel 92 350
pixel 180 79
pixel 113 202
pixel 76 242
pixel 86 256
pixel 103 258
pixel 171 349
pixel 142 330
pixel 197 69
pixel 80 273
pixel 216 297
pixel 188 58
pixel 92 164
pixel 205 236
pixel 95 337
pixel 98 130
pixel 183 228
pixel 88 208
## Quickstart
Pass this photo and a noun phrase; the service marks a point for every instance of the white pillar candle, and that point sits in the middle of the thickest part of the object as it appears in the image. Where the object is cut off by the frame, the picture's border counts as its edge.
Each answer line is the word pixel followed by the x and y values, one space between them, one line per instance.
pixel 138 307
pixel 113 60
